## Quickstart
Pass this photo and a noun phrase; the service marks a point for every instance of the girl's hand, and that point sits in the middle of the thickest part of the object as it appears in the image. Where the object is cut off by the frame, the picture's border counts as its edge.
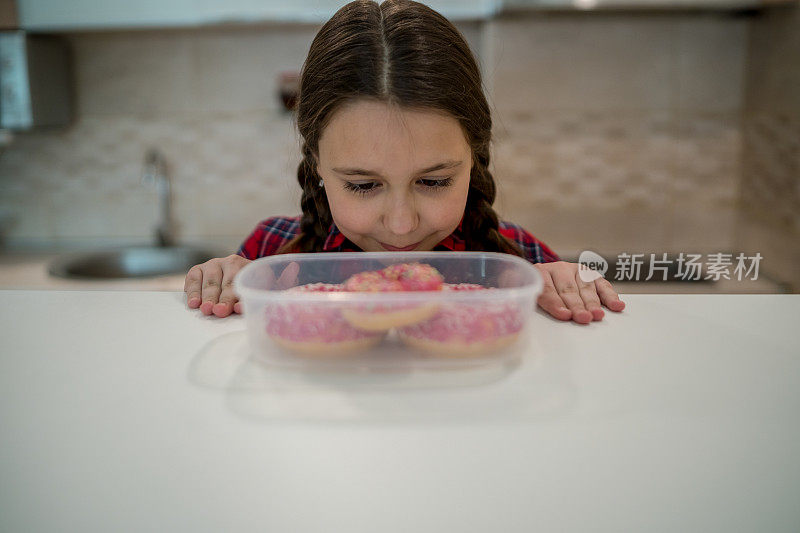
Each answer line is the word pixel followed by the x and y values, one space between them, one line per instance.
pixel 566 296
pixel 209 286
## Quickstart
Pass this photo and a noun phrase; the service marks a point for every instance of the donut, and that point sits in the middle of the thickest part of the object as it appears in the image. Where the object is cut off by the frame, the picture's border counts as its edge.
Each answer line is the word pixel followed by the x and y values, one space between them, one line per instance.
pixel 373 281
pixel 466 329
pixel 415 276
pixel 316 329
pixel 395 278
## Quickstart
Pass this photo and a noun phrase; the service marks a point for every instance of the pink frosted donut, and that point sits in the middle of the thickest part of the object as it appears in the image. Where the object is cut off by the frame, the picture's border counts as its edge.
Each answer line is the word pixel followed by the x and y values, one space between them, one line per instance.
pixel 373 281
pixel 466 330
pixel 316 329
pixel 395 278
pixel 415 276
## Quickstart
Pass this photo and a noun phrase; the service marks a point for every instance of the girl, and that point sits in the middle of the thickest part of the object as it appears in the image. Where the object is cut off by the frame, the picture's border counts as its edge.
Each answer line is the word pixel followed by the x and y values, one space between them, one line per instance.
pixel 396 138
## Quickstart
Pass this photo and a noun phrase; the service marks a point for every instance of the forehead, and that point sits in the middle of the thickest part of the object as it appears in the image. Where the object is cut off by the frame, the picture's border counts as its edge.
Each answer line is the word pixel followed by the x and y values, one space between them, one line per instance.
pixel 379 134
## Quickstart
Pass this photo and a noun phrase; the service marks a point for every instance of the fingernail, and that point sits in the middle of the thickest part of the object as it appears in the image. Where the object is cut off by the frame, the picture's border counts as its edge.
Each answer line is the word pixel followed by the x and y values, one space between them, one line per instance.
pixel 563 310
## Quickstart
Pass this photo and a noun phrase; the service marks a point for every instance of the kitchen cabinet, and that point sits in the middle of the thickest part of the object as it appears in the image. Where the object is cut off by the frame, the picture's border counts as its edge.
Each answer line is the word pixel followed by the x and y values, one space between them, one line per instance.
pixel 49 15
pixel 57 15
pixel 543 5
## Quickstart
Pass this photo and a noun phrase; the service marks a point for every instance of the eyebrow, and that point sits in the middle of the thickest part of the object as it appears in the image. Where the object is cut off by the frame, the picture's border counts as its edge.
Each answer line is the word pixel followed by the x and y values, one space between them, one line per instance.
pixel 362 172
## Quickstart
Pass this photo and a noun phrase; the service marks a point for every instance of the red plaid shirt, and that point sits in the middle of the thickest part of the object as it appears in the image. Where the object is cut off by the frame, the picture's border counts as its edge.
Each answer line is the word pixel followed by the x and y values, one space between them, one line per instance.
pixel 272 233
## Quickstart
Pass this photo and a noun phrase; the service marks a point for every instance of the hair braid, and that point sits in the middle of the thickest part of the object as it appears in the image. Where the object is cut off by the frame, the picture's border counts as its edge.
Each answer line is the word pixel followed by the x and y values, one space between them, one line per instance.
pixel 481 224
pixel 316 220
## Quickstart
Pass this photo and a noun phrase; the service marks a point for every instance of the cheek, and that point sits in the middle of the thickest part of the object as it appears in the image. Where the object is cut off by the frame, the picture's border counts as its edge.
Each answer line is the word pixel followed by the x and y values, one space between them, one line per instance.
pixel 446 212
pixel 350 215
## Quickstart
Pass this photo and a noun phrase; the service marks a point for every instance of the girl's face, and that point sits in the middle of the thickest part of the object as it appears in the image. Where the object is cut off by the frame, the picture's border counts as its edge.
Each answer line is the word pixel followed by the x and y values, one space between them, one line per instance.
pixel 396 179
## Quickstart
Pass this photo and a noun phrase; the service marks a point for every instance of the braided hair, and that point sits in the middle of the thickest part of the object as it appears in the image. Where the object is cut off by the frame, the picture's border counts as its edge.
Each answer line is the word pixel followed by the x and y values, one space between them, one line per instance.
pixel 316 219
pixel 402 53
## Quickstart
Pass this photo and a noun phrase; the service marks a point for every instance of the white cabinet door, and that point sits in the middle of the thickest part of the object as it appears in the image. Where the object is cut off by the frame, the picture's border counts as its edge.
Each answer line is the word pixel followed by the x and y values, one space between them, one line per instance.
pixel 635 4
pixel 41 15
pixel 88 14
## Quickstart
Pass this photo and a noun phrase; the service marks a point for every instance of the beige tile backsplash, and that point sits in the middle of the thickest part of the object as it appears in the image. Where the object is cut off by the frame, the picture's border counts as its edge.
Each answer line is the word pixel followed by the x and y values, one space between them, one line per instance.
pixel 769 218
pixel 614 132
pixel 601 63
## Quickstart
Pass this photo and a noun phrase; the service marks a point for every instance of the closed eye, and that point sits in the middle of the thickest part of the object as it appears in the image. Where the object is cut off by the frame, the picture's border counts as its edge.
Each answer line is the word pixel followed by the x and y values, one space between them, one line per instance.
pixel 364 188
pixel 361 188
pixel 436 183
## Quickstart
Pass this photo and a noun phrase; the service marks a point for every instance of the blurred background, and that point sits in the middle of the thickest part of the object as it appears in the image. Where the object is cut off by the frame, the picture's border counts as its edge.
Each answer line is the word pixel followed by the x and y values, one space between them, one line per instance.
pixel 626 127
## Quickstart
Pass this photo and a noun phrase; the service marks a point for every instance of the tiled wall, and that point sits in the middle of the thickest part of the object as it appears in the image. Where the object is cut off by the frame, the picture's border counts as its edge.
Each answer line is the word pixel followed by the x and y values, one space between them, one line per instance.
pixel 769 220
pixel 206 98
pixel 621 132
pixel 615 132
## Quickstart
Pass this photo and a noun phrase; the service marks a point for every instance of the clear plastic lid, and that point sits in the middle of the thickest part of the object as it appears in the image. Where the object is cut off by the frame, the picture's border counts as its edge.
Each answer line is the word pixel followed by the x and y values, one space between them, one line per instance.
pixel 270 277
pixel 298 314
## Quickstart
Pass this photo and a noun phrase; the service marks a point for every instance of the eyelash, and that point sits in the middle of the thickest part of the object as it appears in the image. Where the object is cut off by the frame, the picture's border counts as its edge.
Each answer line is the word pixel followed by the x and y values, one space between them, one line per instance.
pixel 434 185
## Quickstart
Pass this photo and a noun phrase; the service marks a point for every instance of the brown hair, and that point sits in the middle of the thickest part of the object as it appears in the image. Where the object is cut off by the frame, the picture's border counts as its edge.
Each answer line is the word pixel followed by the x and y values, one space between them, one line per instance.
pixel 406 54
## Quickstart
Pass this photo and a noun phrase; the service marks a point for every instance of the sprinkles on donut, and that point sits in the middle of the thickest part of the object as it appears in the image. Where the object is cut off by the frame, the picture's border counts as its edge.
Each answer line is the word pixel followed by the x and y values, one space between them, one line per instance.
pixel 466 330
pixel 394 278
pixel 316 329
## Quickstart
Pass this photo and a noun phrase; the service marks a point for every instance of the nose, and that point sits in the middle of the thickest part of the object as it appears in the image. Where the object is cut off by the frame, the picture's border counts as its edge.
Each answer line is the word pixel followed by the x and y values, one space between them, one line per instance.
pixel 401 217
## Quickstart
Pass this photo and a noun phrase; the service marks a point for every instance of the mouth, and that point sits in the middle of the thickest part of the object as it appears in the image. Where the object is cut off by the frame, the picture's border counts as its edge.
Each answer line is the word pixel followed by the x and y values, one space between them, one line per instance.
pixel 391 248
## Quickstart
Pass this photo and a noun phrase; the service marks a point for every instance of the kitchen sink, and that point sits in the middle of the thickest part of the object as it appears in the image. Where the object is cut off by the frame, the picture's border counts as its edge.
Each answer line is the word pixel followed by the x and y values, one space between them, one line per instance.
pixel 162 258
pixel 132 262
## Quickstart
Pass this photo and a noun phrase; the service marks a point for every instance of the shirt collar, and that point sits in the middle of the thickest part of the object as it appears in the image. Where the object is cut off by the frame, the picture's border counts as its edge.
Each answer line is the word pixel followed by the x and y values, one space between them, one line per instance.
pixel 334 241
pixel 337 242
pixel 454 241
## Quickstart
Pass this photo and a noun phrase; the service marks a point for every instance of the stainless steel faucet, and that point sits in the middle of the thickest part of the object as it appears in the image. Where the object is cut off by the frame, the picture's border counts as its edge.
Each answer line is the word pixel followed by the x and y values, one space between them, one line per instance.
pixel 155 172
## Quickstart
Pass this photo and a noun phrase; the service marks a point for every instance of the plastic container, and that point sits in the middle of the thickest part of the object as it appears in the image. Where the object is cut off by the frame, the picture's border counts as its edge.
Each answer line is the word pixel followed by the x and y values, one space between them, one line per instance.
pixel 448 328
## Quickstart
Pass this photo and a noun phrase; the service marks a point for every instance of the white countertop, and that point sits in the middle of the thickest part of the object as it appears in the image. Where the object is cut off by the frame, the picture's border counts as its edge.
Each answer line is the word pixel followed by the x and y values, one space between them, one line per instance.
pixel 124 411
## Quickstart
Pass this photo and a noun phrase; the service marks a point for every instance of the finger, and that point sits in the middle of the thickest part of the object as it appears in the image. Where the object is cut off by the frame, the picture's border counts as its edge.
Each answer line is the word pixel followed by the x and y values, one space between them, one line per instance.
pixel 263 279
pixel 288 277
pixel 567 288
pixel 608 295
pixel 212 281
pixel 192 285
pixel 237 308
pixel 550 301
pixel 227 297
pixel 591 301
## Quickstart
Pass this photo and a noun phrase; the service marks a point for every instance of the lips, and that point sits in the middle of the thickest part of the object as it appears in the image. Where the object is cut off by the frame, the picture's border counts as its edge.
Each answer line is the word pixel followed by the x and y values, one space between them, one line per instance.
pixel 397 249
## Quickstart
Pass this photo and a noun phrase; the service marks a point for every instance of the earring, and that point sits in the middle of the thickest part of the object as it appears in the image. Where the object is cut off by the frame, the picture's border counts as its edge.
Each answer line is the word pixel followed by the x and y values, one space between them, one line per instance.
pixel 321 183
